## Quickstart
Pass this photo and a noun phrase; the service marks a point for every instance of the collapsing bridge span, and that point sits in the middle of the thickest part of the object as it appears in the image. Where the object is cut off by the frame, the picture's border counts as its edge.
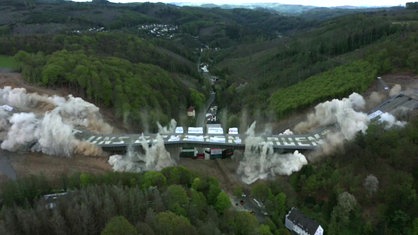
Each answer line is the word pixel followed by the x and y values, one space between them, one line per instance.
pixel 309 141
pixel 278 142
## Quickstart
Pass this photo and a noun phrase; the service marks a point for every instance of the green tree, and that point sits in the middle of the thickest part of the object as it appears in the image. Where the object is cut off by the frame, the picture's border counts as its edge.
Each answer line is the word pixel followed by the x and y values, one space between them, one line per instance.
pixel 340 216
pixel 197 206
pixel 213 192
pixel 264 230
pixel 31 65
pixel 51 74
pixel 153 178
pixel 178 175
pixel 222 202
pixel 279 206
pixel 168 223
pixel 261 191
pixel 198 184
pixel 119 225
pixel 198 99
pixel 241 223
pixel 176 199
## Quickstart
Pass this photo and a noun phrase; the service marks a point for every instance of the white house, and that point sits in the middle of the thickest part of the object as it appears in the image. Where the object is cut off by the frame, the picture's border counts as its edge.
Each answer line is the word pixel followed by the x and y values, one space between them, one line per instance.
pixel 300 224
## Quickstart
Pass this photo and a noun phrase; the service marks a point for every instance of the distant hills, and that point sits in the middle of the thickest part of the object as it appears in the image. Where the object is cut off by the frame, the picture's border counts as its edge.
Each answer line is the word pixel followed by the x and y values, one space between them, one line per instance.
pixel 293 9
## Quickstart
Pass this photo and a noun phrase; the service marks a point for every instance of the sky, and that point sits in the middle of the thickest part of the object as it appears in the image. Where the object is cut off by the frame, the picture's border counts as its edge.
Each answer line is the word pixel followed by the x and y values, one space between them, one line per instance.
pixel 324 3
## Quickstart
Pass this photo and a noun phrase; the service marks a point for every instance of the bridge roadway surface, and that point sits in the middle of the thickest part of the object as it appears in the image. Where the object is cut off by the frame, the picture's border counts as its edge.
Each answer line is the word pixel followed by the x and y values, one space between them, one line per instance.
pixel 308 141
pixel 282 142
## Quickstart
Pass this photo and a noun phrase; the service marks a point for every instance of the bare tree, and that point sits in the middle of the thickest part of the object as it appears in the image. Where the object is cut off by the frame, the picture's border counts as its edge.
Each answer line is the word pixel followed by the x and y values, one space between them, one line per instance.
pixel 341 212
pixel 371 184
pixel 347 202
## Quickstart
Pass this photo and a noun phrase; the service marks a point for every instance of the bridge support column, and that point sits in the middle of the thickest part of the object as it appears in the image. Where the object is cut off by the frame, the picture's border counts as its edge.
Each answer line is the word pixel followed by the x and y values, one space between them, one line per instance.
pixel 174 152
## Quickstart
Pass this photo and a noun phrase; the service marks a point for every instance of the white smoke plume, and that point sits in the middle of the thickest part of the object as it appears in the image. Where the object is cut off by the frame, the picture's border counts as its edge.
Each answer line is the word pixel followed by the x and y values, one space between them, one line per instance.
pixel 375 98
pixel 130 162
pixel 46 123
pixel 24 131
pixel 55 136
pixel 4 123
pixel 342 112
pixel 167 129
pixel 19 98
pixel 15 97
pixel 260 161
pixel 395 90
pixel 155 157
pixel 79 112
pixel 287 132
pixel 390 121
pixel 344 119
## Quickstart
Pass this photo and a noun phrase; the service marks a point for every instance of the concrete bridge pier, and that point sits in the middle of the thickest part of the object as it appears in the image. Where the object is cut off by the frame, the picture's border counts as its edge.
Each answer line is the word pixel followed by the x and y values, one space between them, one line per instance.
pixel 174 151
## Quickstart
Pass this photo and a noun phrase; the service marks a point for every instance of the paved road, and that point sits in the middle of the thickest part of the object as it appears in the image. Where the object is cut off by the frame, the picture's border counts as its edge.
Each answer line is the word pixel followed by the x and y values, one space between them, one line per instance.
pixel 201 116
pixel 283 142
pixel 397 104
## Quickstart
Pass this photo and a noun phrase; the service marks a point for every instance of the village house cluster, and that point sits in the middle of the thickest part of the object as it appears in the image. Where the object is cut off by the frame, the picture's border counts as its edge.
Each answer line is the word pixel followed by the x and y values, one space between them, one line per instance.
pixel 159 30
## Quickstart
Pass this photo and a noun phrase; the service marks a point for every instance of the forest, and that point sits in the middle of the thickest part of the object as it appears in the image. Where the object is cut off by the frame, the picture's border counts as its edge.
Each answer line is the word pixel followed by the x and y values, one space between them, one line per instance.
pixel 268 65
pixel 386 40
pixel 173 201
pixel 113 82
pixel 370 188
pixel 248 50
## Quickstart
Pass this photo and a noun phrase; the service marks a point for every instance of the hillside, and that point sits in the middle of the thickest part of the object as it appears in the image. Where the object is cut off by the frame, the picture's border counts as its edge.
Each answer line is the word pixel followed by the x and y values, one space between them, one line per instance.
pixel 383 39
pixel 50 33
pixel 249 50
pixel 141 63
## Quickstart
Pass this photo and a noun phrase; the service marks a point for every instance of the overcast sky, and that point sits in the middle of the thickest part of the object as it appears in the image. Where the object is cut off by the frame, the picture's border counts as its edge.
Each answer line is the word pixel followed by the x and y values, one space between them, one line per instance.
pixel 302 2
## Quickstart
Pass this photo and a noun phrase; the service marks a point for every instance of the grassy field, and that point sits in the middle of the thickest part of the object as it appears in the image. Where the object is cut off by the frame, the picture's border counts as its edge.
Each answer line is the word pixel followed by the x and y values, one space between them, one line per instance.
pixel 8 62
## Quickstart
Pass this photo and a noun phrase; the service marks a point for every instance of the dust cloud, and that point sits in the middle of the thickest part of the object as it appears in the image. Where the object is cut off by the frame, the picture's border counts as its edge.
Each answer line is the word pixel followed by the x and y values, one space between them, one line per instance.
pixel 342 119
pixel 29 121
pixel 395 90
pixel 167 129
pixel 260 161
pixel 154 157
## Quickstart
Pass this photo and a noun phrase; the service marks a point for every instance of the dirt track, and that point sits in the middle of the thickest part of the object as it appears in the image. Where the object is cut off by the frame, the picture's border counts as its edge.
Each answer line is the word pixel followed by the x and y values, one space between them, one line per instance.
pixel 15 80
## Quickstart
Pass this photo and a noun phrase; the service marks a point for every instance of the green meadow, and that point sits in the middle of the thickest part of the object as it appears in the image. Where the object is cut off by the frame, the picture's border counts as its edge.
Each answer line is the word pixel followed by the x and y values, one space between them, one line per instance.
pixel 8 62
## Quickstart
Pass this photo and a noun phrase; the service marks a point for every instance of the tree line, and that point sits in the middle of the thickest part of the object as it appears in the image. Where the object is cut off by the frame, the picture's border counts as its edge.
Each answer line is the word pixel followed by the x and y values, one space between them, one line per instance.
pixel 173 201
pixel 140 94
pixel 123 45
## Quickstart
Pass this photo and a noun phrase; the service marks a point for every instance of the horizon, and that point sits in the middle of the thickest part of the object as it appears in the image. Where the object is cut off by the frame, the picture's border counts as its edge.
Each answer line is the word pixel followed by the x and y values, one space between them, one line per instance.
pixel 316 3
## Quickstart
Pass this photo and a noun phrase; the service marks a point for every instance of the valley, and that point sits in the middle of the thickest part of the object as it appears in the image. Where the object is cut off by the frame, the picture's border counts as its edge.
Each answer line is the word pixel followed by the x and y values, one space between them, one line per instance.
pixel 79 77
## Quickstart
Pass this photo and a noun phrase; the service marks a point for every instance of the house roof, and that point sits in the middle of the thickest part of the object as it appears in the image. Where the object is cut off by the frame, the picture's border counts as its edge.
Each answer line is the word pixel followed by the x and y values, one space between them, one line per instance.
pixel 299 219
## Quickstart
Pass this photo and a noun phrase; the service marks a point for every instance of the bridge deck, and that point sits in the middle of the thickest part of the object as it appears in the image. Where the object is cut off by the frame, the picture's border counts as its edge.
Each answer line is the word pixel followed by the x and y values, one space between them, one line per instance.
pixel 305 142
pixel 282 142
